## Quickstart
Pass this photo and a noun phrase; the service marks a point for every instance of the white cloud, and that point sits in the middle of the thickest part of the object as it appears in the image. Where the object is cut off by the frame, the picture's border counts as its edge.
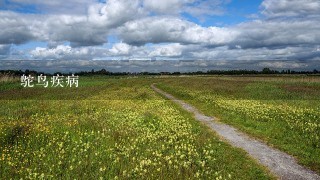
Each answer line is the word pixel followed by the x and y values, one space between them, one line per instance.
pixel 77 30
pixel 169 29
pixel 289 29
pixel 283 65
pixel 196 8
pixel 80 30
pixel 115 12
pixel 166 6
pixel 61 52
pixel 19 29
pixel 169 50
pixel 284 53
pixel 277 33
pixel 289 8
pixel 14 29
pixel 121 49
pixel 206 8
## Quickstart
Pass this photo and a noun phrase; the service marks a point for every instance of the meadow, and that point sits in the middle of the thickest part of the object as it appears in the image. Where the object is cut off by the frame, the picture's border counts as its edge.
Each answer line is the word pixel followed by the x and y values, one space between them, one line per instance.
pixel 110 128
pixel 118 128
pixel 283 111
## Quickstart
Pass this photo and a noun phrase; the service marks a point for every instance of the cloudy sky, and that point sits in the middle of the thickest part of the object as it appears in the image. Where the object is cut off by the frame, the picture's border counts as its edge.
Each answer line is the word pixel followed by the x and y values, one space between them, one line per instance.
pixel 160 30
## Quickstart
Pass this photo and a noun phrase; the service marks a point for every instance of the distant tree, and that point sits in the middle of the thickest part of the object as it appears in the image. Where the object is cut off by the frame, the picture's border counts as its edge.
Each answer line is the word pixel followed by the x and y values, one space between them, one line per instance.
pixel 266 71
pixel 56 73
pixel 27 71
pixel 103 71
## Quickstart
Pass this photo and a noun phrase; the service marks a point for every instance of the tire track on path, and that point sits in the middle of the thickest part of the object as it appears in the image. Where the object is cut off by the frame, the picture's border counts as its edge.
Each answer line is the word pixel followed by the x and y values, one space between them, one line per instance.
pixel 278 162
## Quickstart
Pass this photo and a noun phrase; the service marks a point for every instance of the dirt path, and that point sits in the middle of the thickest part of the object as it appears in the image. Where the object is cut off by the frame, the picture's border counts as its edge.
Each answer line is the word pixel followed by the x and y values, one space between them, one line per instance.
pixel 279 163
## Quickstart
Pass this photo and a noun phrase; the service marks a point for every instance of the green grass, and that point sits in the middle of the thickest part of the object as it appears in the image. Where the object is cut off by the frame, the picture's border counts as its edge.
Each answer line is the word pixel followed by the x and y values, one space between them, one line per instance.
pixel 111 129
pixel 282 111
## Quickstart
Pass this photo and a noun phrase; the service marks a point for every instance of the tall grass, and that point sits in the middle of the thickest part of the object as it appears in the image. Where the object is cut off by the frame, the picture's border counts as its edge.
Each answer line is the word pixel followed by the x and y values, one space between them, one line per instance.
pixel 111 129
pixel 8 78
pixel 282 111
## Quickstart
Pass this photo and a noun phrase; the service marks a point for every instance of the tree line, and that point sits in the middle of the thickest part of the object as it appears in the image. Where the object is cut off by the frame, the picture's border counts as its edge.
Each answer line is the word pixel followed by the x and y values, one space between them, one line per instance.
pixel 210 72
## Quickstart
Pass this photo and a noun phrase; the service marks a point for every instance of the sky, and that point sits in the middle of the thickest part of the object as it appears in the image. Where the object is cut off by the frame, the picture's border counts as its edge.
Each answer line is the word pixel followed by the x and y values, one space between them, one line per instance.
pixel 202 30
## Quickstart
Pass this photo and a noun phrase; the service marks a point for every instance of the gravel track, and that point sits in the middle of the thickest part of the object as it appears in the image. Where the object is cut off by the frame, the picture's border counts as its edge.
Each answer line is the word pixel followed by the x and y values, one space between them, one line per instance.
pixel 281 164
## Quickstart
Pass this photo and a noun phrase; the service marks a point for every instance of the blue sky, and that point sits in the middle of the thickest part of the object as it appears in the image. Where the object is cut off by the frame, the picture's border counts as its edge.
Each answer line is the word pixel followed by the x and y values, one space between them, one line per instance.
pixel 162 30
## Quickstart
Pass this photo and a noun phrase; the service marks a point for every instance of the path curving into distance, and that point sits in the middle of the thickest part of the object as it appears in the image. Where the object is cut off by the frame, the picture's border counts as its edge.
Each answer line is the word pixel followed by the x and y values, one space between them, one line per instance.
pixel 279 163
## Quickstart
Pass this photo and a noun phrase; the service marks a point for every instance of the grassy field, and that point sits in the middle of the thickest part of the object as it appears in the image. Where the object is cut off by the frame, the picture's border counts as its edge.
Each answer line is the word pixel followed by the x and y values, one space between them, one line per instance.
pixel 111 128
pixel 282 111
pixel 118 128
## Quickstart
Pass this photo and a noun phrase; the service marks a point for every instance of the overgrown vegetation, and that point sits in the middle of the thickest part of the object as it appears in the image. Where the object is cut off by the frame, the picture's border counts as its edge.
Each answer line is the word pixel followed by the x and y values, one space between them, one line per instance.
pixel 282 111
pixel 110 129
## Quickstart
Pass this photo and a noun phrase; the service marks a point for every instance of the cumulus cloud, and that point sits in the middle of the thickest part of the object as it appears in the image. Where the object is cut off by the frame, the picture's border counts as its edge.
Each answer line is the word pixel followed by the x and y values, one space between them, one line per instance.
pixel 89 29
pixel 170 29
pixel 283 65
pixel 77 30
pixel 93 28
pixel 286 29
pixel 121 49
pixel 290 8
pixel 61 52
pixel 166 6
pixel 277 33
pixel 18 29
pixel 14 29
pixel 115 12
pixel 201 9
pixel 169 50
pixel 156 66
pixel 225 53
pixel 196 8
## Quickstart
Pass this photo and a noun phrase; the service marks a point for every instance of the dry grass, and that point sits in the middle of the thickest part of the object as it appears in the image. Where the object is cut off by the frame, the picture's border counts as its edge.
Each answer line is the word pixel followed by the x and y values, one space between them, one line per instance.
pixel 275 78
pixel 8 78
